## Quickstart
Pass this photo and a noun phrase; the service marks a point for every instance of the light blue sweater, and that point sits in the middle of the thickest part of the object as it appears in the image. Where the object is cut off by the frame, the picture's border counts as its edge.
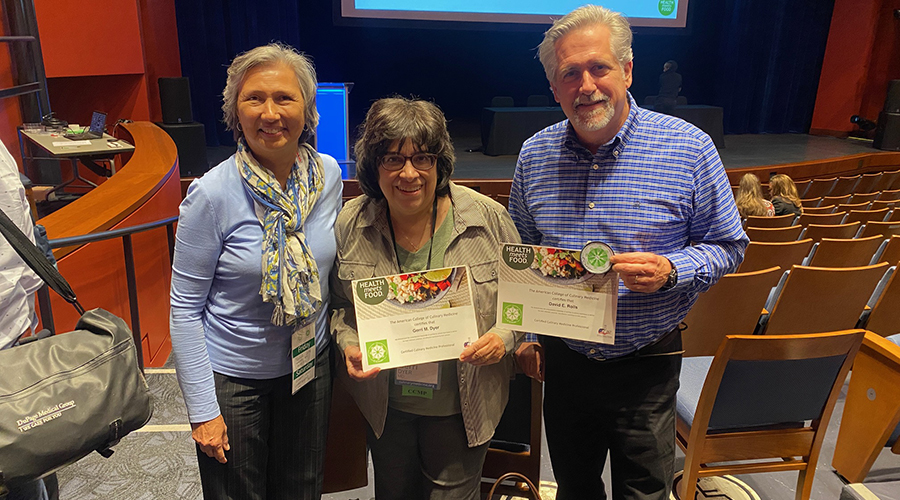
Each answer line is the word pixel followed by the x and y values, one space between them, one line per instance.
pixel 218 319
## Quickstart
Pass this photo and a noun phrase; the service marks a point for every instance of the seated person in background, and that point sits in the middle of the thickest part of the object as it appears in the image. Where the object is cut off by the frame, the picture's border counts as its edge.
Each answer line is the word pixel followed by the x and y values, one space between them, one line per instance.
pixel 750 199
pixel 669 87
pixel 784 196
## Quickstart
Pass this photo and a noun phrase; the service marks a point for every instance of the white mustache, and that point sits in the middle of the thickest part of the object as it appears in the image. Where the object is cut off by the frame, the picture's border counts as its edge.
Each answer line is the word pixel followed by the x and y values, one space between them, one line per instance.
pixel 590 99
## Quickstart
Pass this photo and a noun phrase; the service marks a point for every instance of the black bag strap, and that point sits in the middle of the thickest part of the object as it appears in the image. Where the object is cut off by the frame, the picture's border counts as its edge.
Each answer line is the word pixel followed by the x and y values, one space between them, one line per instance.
pixel 37 261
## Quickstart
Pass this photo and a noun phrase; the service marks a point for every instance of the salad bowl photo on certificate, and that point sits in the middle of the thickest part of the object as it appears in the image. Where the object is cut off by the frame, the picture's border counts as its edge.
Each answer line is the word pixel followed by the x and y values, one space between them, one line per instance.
pixel 558 266
pixel 422 289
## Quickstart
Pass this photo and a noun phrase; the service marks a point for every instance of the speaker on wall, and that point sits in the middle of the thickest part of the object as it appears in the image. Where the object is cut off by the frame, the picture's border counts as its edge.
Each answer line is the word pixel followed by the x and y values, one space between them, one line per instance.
pixel 175 99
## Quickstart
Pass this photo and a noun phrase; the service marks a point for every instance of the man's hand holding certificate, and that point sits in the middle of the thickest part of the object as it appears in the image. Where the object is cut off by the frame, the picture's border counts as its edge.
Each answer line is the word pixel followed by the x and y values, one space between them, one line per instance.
pixel 550 291
pixel 413 318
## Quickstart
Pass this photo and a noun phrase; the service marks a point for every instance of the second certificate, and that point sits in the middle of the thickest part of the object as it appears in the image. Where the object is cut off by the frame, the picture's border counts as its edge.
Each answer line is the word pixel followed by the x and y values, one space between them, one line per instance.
pixel 413 318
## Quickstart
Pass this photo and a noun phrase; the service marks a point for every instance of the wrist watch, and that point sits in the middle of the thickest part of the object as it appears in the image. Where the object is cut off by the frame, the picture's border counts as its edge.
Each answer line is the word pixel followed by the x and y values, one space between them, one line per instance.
pixel 673 278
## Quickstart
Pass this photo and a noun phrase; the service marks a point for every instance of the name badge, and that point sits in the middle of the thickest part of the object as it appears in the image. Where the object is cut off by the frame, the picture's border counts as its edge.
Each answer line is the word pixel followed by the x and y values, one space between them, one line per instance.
pixel 303 356
pixel 424 375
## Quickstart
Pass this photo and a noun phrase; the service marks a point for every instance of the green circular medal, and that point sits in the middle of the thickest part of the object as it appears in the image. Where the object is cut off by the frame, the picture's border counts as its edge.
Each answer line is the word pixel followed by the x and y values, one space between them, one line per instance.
pixel 595 257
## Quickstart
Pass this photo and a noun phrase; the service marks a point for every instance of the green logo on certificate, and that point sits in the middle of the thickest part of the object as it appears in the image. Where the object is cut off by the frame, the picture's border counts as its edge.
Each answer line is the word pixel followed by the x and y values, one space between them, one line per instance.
pixel 373 291
pixel 518 257
pixel 377 350
pixel 512 313
pixel 666 7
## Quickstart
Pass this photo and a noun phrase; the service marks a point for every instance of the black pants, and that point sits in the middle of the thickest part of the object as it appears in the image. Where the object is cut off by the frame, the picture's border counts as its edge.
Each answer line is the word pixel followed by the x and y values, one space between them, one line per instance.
pixel 277 440
pixel 624 406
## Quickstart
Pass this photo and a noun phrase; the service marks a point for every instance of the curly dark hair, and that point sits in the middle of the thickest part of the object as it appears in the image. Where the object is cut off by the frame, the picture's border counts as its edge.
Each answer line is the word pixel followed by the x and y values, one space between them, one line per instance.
pixel 401 119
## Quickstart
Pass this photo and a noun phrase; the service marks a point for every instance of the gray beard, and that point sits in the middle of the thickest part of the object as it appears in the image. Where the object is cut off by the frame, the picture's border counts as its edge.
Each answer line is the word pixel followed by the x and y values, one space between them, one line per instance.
pixel 595 120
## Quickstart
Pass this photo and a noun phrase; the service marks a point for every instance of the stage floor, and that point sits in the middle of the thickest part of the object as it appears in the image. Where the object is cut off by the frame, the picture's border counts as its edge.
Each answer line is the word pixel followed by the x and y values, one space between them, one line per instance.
pixel 740 151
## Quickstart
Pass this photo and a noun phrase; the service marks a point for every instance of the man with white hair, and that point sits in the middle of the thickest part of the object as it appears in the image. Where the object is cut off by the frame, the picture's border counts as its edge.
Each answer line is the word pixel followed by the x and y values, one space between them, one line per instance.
pixel 653 188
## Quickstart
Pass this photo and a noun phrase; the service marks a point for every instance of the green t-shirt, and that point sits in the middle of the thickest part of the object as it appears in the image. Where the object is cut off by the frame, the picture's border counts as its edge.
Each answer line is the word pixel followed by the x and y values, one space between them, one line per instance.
pixel 444 400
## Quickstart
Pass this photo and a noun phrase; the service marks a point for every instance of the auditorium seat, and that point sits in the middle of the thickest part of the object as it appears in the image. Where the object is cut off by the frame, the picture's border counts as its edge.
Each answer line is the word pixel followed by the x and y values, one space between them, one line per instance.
pixel 871 409
pixel 818 299
pixel 879 204
pixel 770 234
pixel 770 222
pixel 887 180
pixel 835 200
pixel 731 307
pixel 819 210
pixel 841 231
pixel 762 404
pixel 821 219
pixel 760 255
pixel 868 182
pixel 845 186
pixel 864 197
pixel 537 100
pixel 844 252
pixel 502 101
pixel 886 229
pixel 818 188
pixel 801 186
pixel 890 195
pixel 890 253
pixel 810 202
pixel 846 207
pixel 884 316
pixel 867 215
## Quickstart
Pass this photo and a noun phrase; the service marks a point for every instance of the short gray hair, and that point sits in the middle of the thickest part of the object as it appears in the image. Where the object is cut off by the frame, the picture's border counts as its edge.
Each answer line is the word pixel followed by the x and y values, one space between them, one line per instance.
pixel 588 15
pixel 275 52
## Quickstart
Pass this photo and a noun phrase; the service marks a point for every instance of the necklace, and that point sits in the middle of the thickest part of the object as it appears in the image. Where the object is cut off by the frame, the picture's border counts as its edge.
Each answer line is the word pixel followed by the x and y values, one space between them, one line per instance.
pixel 431 240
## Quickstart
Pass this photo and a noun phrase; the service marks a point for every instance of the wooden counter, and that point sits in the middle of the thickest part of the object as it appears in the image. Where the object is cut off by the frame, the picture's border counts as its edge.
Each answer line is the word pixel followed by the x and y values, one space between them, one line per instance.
pixel 145 189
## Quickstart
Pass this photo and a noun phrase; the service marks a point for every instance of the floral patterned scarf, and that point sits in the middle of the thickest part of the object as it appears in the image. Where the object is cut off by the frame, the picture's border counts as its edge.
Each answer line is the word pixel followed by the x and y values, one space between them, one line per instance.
pixel 290 276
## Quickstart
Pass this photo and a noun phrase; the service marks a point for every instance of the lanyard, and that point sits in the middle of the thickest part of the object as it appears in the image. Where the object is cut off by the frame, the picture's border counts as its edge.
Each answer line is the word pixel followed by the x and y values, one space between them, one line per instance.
pixel 430 243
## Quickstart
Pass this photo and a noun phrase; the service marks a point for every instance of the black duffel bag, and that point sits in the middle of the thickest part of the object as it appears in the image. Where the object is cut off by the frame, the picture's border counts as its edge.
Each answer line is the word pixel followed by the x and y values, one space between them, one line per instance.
pixel 67 395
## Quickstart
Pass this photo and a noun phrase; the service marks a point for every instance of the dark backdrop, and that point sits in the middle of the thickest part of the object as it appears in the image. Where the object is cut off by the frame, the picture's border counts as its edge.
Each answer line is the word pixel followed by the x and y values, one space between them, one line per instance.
pixel 759 59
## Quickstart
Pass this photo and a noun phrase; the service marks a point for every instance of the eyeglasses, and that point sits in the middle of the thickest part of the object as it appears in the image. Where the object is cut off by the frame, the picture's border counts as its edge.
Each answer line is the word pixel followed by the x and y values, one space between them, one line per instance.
pixel 421 161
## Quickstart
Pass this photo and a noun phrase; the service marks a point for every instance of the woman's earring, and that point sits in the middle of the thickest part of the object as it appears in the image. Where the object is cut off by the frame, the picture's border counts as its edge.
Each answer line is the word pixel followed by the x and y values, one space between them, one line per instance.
pixel 240 129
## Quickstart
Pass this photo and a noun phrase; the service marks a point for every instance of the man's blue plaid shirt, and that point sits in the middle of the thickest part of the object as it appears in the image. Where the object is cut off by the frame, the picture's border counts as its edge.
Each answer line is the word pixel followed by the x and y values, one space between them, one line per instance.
pixel 658 186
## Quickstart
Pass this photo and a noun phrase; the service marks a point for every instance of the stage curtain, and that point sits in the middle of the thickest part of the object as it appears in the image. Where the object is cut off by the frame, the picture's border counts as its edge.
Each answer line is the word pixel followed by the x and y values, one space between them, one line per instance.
pixel 770 58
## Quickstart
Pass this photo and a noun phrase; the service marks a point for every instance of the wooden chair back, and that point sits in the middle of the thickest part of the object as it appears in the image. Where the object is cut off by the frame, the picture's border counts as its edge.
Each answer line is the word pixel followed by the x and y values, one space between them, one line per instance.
pixel 731 307
pixel 891 252
pixel 846 253
pixel 762 255
pixel 895 215
pixel 868 421
pixel 818 188
pixel 821 219
pixel 846 207
pixel 819 210
pixel 864 197
pixel 879 204
pixel 890 195
pixel 885 229
pixel 867 183
pixel 837 231
pixel 835 200
pixel 810 202
pixel 779 221
pixel 885 316
pixel 802 186
pixel 866 215
pixel 751 384
pixel 845 186
pixel 887 180
pixel 774 233
pixel 819 299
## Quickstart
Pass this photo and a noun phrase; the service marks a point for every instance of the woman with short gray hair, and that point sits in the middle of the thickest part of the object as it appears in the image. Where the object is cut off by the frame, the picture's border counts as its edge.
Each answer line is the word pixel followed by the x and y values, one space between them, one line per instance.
pixel 254 248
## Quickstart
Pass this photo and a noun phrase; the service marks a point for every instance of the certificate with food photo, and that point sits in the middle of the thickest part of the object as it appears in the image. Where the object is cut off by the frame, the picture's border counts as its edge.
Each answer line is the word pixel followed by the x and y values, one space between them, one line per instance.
pixel 552 291
pixel 413 318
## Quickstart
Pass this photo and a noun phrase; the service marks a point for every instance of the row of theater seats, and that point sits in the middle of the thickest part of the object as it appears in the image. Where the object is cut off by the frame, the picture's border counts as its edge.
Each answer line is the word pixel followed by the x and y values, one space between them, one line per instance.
pixel 831 269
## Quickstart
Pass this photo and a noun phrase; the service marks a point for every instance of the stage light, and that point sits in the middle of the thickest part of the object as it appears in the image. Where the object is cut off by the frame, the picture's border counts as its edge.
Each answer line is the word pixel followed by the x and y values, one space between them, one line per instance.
pixel 862 123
